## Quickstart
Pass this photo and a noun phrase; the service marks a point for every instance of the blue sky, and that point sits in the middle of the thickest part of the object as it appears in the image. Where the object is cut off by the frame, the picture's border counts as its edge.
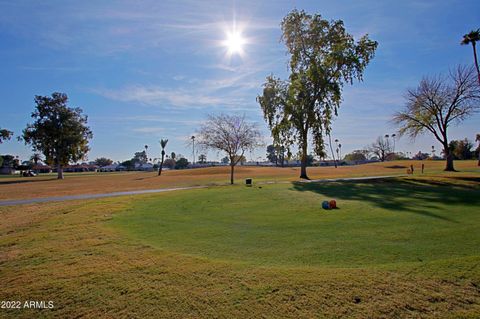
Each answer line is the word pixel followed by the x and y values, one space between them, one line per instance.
pixel 145 70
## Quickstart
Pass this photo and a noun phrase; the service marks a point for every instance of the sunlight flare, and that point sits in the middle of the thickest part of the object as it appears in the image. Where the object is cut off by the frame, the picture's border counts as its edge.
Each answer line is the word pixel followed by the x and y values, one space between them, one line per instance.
pixel 234 42
pixel 234 39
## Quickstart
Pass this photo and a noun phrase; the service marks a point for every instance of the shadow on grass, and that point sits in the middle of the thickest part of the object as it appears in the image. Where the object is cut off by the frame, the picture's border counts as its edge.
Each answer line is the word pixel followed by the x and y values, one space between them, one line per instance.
pixel 466 179
pixel 23 181
pixel 149 177
pixel 419 196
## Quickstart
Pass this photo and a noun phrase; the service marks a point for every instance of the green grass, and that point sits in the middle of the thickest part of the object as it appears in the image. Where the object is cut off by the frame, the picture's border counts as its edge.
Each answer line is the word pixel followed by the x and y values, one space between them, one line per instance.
pixel 378 223
pixel 399 248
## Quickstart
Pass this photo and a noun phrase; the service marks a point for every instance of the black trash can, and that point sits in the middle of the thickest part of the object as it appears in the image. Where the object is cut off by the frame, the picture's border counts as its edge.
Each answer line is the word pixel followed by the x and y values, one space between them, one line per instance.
pixel 248 182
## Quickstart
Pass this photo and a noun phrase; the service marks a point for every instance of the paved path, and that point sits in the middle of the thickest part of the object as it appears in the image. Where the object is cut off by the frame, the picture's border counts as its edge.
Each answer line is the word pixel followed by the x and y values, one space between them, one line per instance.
pixel 162 190
pixel 91 196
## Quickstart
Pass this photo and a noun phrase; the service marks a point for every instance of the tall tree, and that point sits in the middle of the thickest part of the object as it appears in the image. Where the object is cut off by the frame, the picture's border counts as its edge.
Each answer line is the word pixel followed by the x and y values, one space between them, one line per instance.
pixel 472 38
pixel 163 144
pixel 35 158
pixel 140 157
pixel 181 163
pixel 58 131
pixel 461 149
pixel 202 158
pixel 5 135
pixel 276 154
pixel 231 134
pixel 103 161
pixel 146 149
pixel 356 156
pixel 380 148
pixel 477 139
pixel 272 154
pixel 437 103
pixel 323 57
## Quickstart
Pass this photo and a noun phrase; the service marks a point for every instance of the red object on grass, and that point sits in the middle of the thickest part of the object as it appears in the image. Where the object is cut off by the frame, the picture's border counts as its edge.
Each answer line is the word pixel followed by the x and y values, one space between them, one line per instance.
pixel 333 204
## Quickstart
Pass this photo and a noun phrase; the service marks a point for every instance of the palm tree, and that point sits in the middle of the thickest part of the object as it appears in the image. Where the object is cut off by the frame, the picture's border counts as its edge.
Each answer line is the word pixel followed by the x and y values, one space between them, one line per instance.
pixel 477 139
pixel 193 146
pixel 35 158
pixel 393 138
pixel 163 144
pixel 472 38
pixel 331 148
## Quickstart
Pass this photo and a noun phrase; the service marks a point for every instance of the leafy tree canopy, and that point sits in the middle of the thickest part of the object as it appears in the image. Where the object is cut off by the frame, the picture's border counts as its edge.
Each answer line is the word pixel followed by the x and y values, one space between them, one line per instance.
pixel 5 135
pixel 8 161
pixel 462 149
pixel 357 155
pixel 140 157
pixel 181 163
pixel 103 161
pixel 58 131
pixel 323 57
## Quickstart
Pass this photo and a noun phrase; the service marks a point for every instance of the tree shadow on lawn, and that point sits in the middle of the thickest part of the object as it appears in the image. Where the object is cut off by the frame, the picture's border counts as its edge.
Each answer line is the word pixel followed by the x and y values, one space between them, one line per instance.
pixel 395 194
pixel 466 179
pixel 396 166
pixel 23 181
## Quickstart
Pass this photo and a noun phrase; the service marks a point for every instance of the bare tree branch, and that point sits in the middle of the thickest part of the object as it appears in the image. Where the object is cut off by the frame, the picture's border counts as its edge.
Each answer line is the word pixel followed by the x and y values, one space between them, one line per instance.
pixel 437 103
pixel 231 134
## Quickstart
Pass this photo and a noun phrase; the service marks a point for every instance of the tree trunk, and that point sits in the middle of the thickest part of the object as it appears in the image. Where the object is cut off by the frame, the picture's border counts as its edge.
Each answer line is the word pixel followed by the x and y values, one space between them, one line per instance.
pixel 448 155
pixel 161 164
pixel 59 171
pixel 476 61
pixel 303 164
pixel 331 149
pixel 232 167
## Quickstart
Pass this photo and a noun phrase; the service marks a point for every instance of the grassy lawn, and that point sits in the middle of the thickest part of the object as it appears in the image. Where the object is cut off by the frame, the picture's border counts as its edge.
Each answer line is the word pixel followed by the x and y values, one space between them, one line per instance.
pixel 94 183
pixel 378 222
pixel 397 248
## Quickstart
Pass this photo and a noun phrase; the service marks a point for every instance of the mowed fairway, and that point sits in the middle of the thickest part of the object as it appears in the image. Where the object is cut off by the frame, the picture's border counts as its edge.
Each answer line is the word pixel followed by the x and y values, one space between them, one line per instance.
pixel 378 222
pixel 95 183
pixel 395 248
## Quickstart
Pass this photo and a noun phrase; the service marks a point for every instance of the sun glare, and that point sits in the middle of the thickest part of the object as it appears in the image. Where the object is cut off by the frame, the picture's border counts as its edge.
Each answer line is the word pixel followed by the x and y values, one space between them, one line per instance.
pixel 234 43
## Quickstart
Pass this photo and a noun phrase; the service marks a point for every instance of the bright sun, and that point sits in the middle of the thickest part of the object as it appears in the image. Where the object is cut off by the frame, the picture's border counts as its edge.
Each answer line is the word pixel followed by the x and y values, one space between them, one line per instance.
pixel 234 43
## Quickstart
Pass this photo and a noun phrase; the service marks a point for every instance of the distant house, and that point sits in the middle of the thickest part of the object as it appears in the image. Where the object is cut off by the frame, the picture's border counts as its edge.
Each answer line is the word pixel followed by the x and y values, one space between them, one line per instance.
pixel 78 168
pixel 5 170
pixel 113 168
pixel 109 168
pixel 41 168
pixel 144 167
pixel 9 164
